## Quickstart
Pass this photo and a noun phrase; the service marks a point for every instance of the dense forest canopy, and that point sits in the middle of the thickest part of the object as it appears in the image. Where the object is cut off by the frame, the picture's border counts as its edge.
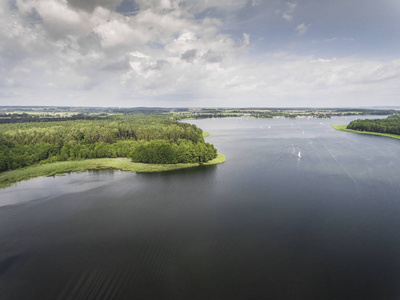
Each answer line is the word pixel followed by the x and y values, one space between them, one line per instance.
pixel 389 125
pixel 144 138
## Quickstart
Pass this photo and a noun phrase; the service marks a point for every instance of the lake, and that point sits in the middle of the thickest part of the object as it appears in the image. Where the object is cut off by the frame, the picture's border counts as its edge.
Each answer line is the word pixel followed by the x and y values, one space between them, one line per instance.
pixel 297 211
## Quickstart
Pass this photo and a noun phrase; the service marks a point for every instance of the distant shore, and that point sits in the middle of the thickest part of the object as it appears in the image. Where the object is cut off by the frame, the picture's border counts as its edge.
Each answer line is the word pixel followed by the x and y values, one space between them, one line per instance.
pixel 9 178
pixel 344 128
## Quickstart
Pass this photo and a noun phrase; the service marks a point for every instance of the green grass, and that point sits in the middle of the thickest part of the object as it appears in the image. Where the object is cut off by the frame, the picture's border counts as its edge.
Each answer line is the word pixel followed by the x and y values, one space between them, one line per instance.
pixel 206 134
pixel 9 178
pixel 220 159
pixel 344 128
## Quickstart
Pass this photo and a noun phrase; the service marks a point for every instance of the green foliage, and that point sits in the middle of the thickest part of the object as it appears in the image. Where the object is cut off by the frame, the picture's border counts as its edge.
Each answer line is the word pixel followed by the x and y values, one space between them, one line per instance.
pixel 390 125
pixel 169 152
pixel 145 138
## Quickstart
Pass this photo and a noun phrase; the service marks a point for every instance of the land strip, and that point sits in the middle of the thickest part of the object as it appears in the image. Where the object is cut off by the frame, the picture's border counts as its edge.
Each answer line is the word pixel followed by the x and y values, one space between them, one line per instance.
pixel 344 128
pixel 11 177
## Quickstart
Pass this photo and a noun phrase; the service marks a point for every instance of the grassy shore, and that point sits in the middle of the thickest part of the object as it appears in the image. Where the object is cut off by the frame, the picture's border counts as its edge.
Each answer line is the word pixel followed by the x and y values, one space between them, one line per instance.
pixel 344 128
pixel 9 178
pixel 220 159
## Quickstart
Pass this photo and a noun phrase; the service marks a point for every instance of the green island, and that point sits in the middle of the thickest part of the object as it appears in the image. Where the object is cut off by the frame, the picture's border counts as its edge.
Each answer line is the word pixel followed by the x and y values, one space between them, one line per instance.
pixel 389 127
pixel 137 143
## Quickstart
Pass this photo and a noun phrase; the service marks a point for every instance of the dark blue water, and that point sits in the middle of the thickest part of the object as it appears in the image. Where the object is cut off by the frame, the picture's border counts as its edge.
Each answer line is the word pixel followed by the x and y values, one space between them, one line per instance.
pixel 264 225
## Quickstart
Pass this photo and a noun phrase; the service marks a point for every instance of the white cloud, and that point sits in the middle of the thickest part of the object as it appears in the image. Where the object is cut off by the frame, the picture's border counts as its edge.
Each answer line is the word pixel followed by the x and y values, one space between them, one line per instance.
pixel 275 79
pixel 75 49
pixel 55 50
pixel 287 14
pixel 117 33
pixel 302 28
pixel 246 39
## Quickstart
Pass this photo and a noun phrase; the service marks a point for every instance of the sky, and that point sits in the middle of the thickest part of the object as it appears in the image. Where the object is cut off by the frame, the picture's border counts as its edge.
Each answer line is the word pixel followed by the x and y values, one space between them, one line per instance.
pixel 205 53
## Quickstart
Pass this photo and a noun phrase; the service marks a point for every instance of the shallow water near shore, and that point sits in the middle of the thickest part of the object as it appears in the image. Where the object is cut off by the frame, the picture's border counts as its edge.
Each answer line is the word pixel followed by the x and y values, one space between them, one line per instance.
pixel 297 211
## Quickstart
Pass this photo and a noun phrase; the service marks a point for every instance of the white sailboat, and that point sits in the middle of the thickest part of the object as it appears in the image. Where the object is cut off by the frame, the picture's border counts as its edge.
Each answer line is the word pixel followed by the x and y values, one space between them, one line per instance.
pixel 299 154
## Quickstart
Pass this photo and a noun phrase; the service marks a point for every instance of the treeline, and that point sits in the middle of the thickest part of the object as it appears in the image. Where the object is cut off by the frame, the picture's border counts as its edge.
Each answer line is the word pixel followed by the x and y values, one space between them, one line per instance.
pixel 215 115
pixel 26 118
pixel 381 112
pixel 389 125
pixel 146 139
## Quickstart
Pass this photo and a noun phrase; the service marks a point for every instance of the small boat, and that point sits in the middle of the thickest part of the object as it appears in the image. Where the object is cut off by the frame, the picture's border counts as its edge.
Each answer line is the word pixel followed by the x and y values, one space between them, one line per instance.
pixel 299 155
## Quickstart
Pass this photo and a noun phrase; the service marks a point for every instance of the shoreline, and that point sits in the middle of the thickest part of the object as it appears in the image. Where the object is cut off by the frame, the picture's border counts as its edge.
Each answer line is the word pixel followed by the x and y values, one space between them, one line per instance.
pixel 9 178
pixel 341 127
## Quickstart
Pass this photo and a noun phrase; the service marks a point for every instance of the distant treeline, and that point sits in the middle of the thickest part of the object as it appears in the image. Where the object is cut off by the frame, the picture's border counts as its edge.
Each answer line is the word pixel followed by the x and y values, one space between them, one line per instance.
pixel 281 113
pixel 87 110
pixel 214 115
pixel 389 125
pixel 147 139
pixel 26 118
pixel 381 112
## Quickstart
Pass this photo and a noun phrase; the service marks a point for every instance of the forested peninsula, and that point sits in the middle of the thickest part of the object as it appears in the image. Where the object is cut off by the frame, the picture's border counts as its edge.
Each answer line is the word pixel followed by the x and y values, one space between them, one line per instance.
pixel 135 142
pixel 389 127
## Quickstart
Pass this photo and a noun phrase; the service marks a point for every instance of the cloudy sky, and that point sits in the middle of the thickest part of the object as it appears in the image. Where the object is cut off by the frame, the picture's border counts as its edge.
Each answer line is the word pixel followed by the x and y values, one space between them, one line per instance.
pixel 205 53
